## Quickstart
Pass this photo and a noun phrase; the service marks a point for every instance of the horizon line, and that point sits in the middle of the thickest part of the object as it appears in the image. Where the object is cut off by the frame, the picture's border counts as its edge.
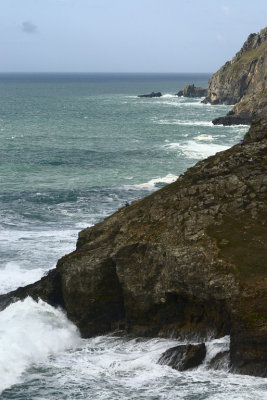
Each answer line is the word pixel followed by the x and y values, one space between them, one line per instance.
pixel 95 72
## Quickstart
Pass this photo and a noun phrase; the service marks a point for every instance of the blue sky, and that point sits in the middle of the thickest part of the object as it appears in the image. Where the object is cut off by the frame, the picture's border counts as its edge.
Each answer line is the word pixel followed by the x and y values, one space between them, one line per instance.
pixel 124 35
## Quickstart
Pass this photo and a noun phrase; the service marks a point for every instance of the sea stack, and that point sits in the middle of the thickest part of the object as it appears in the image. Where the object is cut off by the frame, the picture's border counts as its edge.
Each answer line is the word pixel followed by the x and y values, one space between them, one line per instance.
pixel 192 91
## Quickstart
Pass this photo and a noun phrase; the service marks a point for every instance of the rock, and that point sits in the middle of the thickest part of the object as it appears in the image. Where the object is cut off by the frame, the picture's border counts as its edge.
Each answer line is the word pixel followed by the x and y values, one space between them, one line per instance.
pixel 189 259
pixel 248 108
pixel 257 132
pixel 245 74
pixel 192 91
pixel 184 357
pixel 220 361
pixel 153 94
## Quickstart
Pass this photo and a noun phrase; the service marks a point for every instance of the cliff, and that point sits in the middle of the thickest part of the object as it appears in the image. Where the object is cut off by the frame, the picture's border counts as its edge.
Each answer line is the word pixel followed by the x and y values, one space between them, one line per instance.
pixel 245 74
pixel 251 106
pixel 190 259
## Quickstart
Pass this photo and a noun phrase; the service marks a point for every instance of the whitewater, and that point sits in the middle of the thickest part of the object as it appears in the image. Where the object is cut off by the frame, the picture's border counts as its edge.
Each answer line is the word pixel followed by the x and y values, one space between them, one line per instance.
pixel 74 149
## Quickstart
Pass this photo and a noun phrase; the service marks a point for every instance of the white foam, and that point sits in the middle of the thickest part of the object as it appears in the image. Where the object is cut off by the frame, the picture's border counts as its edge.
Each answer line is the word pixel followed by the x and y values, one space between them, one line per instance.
pixel 215 346
pixel 181 103
pixel 233 126
pixel 31 253
pixel 13 276
pixel 168 95
pixel 183 123
pixel 151 184
pixel 195 150
pixel 204 137
pixel 30 332
pixel 110 365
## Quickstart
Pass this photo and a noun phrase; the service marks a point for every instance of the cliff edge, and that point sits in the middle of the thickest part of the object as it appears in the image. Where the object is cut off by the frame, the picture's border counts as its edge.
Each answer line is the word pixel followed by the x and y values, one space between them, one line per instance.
pixel 190 259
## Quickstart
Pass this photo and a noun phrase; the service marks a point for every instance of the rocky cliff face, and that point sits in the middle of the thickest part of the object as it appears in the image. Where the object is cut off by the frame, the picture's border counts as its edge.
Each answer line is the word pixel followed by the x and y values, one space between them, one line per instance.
pixel 248 108
pixel 245 74
pixel 190 259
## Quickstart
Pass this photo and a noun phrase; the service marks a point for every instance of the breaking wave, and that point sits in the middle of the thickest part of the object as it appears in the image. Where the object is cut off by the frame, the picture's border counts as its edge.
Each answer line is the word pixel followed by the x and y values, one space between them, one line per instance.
pixel 153 183
pixel 30 333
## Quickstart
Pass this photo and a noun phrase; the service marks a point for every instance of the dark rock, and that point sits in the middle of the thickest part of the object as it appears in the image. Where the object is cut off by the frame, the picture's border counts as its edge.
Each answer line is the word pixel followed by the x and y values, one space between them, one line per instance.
pixel 48 289
pixel 250 107
pixel 189 259
pixel 231 120
pixel 192 91
pixel 184 357
pixel 257 132
pixel 220 361
pixel 153 94
pixel 245 74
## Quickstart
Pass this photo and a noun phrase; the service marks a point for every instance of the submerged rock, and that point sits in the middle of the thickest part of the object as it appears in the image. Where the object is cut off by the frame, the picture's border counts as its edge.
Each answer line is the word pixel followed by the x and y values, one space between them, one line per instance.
pixel 184 357
pixel 192 91
pixel 152 94
pixel 188 259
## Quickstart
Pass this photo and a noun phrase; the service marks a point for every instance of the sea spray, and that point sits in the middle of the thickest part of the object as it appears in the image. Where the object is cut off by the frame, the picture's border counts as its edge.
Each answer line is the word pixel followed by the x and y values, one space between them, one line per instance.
pixel 30 332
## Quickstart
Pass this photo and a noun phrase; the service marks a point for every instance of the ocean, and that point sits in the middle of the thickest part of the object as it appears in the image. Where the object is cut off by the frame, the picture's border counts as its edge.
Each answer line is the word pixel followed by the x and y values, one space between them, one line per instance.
pixel 74 148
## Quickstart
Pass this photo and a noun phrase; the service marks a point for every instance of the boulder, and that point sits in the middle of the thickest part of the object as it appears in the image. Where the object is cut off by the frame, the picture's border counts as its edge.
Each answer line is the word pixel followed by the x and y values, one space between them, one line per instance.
pixel 184 357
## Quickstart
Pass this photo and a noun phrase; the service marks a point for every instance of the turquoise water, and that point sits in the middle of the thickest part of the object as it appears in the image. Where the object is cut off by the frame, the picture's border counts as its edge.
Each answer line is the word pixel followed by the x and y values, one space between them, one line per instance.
pixel 73 149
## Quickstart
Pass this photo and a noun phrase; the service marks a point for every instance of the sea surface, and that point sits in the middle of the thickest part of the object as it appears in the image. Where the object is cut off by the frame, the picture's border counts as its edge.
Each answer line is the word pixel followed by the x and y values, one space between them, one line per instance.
pixel 73 149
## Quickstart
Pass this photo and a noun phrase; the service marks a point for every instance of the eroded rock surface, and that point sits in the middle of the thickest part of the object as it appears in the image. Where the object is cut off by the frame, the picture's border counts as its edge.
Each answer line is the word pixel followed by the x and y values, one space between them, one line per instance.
pixel 188 259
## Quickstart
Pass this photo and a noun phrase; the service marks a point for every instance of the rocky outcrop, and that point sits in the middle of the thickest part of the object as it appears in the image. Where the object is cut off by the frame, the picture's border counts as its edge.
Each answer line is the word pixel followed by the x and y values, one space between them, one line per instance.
pixel 250 107
pixel 152 94
pixel 246 74
pixel 192 91
pixel 190 259
pixel 184 357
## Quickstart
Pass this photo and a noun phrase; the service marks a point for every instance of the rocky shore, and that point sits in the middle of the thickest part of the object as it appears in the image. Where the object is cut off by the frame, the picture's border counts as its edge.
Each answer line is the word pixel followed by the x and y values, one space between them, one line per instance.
pixel 190 259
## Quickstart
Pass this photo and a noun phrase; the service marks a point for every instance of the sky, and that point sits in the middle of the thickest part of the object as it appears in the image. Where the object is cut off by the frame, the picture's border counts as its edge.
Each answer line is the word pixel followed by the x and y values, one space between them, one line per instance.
pixel 124 35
